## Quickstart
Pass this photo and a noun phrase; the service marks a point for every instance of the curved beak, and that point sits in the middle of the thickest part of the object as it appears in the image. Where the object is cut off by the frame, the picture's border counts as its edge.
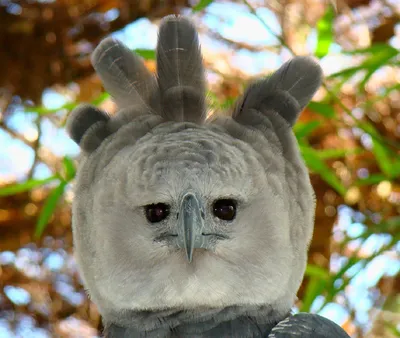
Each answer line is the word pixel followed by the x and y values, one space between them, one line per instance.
pixel 190 225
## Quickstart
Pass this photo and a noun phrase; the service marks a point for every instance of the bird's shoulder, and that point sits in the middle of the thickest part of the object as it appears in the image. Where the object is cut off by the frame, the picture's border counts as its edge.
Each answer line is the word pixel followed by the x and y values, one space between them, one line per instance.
pixel 307 325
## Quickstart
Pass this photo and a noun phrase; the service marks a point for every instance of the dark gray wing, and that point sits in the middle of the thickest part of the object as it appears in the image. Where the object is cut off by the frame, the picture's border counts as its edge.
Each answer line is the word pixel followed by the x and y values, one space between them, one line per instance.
pixel 307 325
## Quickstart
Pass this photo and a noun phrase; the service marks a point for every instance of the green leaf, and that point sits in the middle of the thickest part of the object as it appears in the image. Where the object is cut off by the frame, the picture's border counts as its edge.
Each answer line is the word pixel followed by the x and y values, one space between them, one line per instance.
pixel 392 328
pixel 323 109
pixel 378 58
pixel 385 92
pixel 228 103
pixel 216 103
pixel 317 271
pixel 147 54
pixel 45 111
pixel 375 48
pixel 49 208
pixel 382 157
pixel 376 61
pixel 353 260
pixel 389 166
pixel 326 154
pixel 395 169
pixel 331 290
pixel 325 33
pixel 25 186
pixel 302 130
pixel 347 72
pixel 367 76
pixel 371 179
pixel 69 168
pixel 68 106
pixel 102 97
pixel 314 288
pixel 391 225
pixel 201 5
pixel 320 167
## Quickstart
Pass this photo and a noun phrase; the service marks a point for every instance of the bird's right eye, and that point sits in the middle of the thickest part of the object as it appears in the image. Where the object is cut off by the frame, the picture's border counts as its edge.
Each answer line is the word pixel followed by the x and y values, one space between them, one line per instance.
pixel 156 212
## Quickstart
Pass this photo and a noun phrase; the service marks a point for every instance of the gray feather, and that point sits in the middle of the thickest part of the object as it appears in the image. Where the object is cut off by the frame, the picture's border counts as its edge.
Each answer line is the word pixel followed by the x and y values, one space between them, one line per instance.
pixel 123 74
pixel 287 91
pixel 307 325
pixel 84 120
pixel 234 322
pixel 180 71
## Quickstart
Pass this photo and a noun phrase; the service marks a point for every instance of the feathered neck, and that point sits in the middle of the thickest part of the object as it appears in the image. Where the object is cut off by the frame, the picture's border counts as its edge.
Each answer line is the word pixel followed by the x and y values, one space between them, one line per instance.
pixel 235 321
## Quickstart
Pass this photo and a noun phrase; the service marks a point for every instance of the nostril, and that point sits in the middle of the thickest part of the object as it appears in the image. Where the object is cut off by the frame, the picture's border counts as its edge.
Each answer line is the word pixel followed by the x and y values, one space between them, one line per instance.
pixel 218 236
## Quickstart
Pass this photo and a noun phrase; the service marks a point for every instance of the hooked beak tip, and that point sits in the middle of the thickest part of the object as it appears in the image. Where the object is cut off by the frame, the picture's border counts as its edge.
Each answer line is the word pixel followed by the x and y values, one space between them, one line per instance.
pixel 189 256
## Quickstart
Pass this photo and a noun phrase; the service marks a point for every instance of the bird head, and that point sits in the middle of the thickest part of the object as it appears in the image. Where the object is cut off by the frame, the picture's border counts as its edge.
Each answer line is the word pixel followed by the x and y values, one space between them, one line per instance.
pixel 175 209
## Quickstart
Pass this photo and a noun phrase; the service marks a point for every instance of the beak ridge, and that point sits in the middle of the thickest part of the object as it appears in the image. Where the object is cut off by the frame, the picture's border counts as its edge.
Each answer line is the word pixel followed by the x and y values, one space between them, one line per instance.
pixel 190 224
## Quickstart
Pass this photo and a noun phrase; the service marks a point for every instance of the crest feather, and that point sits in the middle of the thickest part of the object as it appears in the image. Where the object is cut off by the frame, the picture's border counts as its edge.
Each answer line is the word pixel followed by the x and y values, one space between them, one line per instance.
pixel 287 91
pixel 123 74
pixel 180 71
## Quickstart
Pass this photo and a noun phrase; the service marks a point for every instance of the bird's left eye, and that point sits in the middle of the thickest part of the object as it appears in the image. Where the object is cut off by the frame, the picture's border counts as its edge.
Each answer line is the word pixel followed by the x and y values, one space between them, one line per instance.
pixel 156 212
pixel 225 209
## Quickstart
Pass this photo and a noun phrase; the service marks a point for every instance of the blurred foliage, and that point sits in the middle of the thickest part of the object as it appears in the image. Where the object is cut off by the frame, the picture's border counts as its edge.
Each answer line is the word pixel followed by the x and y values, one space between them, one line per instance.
pixel 55 38
pixel 349 136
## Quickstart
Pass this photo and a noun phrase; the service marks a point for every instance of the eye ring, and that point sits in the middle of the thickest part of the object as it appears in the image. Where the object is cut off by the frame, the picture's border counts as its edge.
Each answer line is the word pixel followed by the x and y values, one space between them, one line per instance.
pixel 156 212
pixel 224 209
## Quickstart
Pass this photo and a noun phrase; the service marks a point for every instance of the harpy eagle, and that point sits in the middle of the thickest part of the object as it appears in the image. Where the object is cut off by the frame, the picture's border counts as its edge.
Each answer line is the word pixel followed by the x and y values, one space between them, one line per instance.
pixel 186 225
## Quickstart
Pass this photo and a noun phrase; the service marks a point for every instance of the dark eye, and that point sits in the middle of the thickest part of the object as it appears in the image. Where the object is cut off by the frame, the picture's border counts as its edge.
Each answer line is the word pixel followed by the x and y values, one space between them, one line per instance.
pixel 156 212
pixel 225 209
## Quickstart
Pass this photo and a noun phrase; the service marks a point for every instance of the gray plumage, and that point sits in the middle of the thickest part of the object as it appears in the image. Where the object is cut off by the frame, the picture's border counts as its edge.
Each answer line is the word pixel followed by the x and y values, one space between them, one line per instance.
pixel 287 91
pixel 302 325
pixel 199 270
pixel 233 322
pixel 83 118
pixel 307 325
pixel 180 71
pixel 124 75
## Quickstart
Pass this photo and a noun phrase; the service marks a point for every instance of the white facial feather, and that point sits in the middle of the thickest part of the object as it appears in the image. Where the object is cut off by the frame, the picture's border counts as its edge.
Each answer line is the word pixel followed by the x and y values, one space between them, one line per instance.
pixel 262 262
